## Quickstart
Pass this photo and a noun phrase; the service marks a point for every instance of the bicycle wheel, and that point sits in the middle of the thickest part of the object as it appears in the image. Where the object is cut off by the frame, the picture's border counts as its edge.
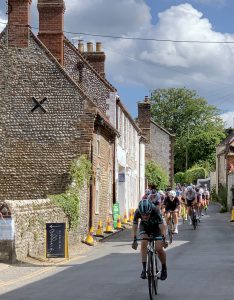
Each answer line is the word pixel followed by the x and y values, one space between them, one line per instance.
pixel 170 231
pixel 151 275
pixel 194 220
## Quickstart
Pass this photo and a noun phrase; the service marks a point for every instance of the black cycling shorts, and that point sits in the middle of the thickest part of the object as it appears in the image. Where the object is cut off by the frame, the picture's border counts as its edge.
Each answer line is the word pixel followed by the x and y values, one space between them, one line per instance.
pixel 150 229
pixel 189 202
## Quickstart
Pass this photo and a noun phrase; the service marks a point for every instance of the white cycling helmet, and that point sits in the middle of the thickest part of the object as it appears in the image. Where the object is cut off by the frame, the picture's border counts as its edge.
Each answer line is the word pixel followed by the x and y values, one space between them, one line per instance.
pixel 172 194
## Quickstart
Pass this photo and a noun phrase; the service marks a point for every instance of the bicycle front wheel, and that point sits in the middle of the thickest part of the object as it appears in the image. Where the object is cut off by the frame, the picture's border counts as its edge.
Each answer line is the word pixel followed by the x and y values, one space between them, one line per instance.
pixel 152 276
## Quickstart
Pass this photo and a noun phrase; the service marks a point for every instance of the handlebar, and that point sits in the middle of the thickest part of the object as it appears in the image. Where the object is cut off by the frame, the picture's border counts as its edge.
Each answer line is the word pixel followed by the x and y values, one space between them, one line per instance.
pixel 150 239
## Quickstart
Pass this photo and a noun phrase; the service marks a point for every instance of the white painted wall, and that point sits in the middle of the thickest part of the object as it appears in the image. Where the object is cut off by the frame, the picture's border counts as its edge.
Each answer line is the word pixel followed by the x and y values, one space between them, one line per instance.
pixel 130 159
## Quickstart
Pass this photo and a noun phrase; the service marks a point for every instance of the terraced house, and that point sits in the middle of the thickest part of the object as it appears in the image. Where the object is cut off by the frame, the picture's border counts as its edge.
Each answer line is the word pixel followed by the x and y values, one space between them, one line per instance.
pixel 55 106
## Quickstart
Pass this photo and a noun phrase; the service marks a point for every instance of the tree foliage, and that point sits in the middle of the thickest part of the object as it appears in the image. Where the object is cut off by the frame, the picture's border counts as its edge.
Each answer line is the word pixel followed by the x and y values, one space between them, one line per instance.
pixel 156 175
pixel 197 125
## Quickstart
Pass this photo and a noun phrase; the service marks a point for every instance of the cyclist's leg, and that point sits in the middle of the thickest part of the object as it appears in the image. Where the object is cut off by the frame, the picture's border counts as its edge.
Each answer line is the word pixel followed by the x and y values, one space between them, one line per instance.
pixel 162 258
pixel 143 234
pixel 189 204
pixel 175 217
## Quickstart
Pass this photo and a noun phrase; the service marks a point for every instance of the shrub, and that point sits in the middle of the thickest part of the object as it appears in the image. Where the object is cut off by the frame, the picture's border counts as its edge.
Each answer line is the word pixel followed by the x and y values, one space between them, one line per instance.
pixel 191 175
pixel 179 177
pixel 156 175
pixel 80 173
pixel 222 197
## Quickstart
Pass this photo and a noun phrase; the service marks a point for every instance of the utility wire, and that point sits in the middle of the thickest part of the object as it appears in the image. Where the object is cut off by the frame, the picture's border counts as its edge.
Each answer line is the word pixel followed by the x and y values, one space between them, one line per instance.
pixel 142 39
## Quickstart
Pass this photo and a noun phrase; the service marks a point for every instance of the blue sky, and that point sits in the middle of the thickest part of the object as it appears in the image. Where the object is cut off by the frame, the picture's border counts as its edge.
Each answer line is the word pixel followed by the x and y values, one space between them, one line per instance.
pixel 137 67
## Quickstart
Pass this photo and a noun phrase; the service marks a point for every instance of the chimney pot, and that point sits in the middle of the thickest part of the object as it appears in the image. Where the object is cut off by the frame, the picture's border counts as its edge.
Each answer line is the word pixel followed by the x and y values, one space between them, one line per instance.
pixel 146 99
pixel 89 47
pixel 98 47
pixel 81 46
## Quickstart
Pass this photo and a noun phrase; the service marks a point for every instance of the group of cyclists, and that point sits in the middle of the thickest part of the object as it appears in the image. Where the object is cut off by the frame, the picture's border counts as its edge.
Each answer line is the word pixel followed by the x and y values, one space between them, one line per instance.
pixel 154 212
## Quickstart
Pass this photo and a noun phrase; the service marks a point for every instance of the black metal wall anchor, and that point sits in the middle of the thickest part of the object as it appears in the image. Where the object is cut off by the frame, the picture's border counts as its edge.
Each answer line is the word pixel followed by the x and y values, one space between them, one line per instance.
pixel 38 104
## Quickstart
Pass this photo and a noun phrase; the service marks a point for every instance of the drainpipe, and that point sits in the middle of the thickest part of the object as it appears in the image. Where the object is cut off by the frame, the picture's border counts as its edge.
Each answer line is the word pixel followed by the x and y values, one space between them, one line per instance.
pixel 91 191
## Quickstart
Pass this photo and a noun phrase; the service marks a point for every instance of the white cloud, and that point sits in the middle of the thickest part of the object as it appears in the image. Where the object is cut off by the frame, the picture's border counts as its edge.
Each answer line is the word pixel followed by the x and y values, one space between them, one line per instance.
pixel 228 118
pixel 206 68
pixel 2 24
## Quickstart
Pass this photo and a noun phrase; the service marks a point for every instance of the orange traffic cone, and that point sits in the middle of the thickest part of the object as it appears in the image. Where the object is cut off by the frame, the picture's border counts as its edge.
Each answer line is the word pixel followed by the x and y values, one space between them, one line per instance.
pixel 125 220
pixel 108 226
pixel 232 218
pixel 89 239
pixel 119 225
pixel 99 231
pixel 131 215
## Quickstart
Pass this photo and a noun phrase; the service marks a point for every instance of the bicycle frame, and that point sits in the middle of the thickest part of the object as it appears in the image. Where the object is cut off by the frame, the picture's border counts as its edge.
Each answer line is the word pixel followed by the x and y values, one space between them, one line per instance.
pixel 152 270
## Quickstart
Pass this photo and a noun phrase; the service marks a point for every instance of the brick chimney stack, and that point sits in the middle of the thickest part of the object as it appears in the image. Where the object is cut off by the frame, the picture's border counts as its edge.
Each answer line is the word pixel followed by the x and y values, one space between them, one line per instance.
pixel 18 23
pixel 96 58
pixel 51 26
pixel 144 117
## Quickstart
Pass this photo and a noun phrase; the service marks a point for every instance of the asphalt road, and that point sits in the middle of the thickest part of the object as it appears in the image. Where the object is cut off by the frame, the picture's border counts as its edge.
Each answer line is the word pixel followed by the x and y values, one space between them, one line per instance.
pixel 200 266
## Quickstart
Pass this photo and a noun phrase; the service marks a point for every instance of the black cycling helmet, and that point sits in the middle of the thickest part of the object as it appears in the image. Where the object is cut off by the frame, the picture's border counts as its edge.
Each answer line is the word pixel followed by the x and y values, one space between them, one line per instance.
pixel 145 207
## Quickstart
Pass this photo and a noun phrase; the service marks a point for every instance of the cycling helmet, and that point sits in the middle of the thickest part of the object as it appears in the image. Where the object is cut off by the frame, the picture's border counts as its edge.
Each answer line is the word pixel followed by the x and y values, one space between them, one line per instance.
pixel 147 192
pixel 189 188
pixel 153 192
pixel 172 194
pixel 145 207
pixel 161 193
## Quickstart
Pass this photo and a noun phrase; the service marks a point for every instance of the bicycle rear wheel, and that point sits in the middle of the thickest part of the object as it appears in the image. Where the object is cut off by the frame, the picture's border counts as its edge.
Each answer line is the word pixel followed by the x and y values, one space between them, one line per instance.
pixel 151 275
pixel 194 220
pixel 170 231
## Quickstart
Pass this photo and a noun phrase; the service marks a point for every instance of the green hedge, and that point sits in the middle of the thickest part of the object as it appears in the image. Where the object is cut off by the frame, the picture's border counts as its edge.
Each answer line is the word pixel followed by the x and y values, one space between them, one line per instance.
pixel 191 175
pixel 156 175
pixel 179 177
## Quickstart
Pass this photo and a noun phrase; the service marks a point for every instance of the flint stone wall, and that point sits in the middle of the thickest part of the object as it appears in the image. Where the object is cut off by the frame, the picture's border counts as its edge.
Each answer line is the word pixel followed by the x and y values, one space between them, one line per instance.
pixel 30 218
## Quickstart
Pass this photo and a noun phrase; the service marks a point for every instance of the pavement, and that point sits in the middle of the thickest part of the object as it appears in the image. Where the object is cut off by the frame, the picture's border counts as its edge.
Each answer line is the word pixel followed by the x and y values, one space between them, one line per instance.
pixel 31 268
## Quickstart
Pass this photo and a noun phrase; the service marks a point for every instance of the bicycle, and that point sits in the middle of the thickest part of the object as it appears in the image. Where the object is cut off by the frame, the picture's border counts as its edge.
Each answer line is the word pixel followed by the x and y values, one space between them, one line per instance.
pixel 171 226
pixel 152 269
pixel 194 216
pixel 183 213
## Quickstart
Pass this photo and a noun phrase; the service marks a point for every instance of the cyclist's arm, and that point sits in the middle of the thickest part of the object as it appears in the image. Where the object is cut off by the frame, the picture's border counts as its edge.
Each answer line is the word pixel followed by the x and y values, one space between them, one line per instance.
pixel 135 223
pixel 163 229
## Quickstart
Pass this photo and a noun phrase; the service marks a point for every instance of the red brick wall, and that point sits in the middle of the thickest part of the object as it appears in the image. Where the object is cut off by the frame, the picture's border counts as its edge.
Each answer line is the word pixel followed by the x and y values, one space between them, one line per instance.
pixel 18 22
pixel 51 25
pixel 97 60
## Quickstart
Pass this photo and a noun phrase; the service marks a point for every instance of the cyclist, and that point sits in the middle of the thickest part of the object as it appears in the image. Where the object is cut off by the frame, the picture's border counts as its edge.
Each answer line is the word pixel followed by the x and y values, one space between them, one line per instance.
pixel 190 198
pixel 207 195
pixel 172 203
pixel 151 224
pixel 147 194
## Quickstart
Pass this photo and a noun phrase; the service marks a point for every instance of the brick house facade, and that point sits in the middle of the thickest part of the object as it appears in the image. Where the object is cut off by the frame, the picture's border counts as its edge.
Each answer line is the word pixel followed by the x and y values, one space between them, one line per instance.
pixel 47 118
pixel 160 146
pixel 224 159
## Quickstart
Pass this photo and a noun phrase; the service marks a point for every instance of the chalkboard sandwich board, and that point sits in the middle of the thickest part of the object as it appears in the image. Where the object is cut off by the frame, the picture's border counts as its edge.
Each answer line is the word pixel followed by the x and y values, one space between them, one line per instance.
pixel 56 240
